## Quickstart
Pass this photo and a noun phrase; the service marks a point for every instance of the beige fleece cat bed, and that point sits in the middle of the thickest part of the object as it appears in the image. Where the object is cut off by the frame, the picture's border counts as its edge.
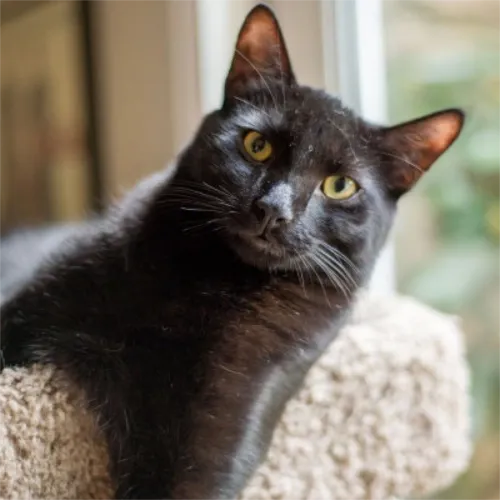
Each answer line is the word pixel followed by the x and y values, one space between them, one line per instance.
pixel 383 413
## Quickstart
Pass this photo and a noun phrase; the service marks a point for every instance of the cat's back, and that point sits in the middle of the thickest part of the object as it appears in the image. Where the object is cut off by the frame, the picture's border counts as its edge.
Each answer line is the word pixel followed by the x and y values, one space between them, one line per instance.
pixel 24 251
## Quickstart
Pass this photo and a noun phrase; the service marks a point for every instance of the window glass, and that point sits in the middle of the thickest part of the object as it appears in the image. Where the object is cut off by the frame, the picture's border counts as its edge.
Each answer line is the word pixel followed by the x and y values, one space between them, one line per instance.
pixel 446 54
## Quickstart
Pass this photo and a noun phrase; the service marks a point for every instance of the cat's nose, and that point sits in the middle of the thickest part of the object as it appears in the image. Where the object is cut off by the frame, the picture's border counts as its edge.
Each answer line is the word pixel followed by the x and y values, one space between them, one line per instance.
pixel 271 213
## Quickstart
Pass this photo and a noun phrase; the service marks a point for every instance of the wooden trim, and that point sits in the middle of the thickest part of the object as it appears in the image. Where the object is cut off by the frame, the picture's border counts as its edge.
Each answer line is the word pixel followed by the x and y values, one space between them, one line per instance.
pixel 86 13
pixel 10 10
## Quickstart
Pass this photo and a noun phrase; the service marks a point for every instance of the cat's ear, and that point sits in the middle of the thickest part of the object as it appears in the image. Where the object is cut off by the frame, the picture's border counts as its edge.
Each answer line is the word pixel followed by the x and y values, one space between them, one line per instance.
pixel 408 150
pixel 260 53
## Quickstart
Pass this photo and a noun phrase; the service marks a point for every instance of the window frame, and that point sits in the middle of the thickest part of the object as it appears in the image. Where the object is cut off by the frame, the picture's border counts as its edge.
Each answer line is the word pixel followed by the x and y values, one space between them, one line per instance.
pixel 358 73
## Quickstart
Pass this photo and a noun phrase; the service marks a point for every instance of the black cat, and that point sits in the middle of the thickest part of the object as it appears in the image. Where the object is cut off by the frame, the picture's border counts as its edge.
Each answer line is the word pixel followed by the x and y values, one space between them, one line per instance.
pixel 191 312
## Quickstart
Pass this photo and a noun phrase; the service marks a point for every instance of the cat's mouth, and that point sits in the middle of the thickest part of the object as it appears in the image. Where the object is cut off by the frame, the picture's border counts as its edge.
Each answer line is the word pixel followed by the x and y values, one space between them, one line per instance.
pixel 263 243
pixel 261 250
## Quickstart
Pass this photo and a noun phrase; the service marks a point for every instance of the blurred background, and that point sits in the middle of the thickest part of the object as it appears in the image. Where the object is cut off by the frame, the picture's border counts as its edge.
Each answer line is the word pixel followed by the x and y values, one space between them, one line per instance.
pixel 96 95
pixel 439 54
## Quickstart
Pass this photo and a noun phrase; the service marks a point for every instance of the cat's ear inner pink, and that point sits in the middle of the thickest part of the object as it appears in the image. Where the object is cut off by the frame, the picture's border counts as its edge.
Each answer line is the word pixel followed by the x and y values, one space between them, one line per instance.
pixel 410 149
pixel 260 53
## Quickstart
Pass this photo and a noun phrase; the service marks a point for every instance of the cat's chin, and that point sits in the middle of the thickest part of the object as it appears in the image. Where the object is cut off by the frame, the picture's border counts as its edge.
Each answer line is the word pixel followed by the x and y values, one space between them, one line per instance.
pixel 261 253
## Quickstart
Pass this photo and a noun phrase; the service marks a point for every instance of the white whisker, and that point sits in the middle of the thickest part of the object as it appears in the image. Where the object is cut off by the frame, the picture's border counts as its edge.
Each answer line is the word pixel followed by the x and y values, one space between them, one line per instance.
pixel 340 255
pixel 337 266
pixel 313 267
pixel 404 160
pixel 260 75
pixel 334 278
pixel 346 137
pixel 261 110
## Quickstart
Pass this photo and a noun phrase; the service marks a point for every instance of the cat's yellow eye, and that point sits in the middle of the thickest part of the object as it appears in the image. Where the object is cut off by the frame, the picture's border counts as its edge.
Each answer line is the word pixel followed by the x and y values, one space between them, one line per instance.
pixel 257 146
pixel 339 187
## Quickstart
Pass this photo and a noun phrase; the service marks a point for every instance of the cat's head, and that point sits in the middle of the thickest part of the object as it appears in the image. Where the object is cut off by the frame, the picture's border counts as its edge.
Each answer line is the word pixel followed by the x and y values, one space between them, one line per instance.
pixel 291 177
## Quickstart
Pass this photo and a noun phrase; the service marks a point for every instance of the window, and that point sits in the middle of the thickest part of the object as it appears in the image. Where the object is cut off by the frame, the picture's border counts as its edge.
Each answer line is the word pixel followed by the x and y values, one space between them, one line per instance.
pixel 445 54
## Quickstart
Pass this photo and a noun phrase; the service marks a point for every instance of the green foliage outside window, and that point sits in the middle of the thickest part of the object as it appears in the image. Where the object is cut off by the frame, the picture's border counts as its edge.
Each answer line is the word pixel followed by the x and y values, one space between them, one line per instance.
pixel 446 54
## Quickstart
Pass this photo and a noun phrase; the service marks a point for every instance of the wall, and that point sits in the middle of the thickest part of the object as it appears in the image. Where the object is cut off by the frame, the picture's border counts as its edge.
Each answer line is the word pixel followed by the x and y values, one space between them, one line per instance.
pixel 43 138
pixel 152 77
pixel 147 85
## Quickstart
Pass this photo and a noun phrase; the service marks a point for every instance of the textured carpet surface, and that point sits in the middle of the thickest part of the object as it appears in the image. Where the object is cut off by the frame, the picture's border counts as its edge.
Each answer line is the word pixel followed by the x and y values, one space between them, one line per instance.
pixel 383 413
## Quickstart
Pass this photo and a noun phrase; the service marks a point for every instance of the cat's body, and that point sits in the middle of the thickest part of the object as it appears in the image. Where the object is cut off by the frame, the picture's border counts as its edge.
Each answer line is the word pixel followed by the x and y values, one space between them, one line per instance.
pixel 195 352
pixel 191 313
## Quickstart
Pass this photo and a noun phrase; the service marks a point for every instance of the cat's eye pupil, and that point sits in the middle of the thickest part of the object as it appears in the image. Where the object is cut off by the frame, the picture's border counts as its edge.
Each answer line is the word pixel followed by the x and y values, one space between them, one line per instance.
pixel 340 184
pixel 258 145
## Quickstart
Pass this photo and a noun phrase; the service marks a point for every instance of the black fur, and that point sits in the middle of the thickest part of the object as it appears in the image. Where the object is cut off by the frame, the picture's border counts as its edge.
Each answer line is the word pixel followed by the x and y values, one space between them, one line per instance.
pixel 186 329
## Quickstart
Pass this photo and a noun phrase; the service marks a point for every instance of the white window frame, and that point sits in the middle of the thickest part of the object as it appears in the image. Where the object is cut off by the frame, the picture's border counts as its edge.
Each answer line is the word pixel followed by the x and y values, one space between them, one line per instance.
pixel 353 67
pixel 360 66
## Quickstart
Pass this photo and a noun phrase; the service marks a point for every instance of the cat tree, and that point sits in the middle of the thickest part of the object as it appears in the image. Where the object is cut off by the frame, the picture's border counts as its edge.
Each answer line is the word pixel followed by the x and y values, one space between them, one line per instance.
pixel 384 413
